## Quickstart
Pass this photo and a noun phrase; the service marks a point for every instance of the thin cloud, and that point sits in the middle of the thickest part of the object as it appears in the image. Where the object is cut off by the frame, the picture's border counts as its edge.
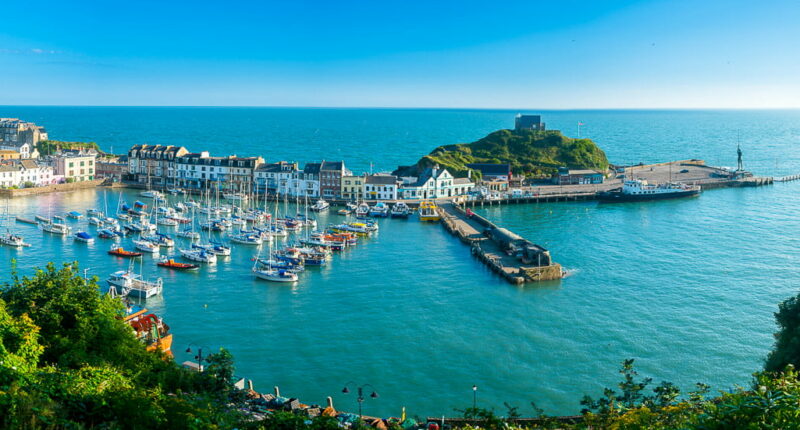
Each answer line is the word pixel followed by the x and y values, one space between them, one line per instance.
pixel 32 51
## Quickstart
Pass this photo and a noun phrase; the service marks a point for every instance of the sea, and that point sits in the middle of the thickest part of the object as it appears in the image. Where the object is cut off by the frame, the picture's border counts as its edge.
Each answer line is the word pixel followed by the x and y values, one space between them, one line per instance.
pixel 687 287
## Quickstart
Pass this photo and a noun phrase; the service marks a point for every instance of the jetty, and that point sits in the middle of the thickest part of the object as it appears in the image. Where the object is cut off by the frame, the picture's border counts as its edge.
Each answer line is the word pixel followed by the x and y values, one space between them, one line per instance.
pixel 511 256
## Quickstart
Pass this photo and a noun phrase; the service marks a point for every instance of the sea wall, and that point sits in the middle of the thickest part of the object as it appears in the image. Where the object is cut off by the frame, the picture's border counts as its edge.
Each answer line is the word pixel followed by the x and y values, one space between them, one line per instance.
pixel 50 189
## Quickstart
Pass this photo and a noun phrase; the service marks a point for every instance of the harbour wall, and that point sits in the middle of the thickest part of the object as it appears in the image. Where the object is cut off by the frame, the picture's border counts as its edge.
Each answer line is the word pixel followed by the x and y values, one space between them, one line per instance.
pixel 11 193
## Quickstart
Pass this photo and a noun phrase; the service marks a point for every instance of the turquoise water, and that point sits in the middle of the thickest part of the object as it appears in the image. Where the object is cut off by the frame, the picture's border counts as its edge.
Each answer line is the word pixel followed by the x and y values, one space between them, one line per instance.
pixel 686 287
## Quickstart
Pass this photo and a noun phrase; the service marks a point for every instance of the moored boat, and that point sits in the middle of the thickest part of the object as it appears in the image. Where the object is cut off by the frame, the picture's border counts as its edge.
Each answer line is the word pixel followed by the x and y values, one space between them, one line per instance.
pixel 320 205
pixel 638 190
pixel 14 240
pixel 129 283
pixel 121 252
pixel 176 265
pixel 400 210
pixel 380 209
pixel 199 255
pixel 83 236
pixel 74 215
pixel 428 211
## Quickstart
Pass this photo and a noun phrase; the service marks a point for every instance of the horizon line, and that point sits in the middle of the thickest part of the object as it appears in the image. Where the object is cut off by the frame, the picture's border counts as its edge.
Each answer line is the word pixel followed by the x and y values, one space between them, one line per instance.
pixel 408 107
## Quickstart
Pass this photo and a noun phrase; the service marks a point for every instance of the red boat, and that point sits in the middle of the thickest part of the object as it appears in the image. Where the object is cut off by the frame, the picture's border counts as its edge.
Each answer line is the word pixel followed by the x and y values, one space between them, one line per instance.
pixel 177 265
pixel 120 252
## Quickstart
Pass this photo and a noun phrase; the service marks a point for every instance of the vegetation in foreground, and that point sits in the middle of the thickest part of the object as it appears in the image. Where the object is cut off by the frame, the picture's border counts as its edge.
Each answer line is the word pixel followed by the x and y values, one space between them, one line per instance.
pixel 67 360
pixel 530 153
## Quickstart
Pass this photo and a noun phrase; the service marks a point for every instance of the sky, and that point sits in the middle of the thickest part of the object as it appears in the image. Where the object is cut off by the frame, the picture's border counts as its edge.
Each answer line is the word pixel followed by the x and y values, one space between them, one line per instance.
pixel 564 54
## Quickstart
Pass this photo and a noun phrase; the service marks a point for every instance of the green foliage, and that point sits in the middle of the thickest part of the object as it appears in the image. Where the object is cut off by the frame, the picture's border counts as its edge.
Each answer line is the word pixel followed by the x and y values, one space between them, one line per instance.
pixel 28 184
pixel 49 147
pixel 529 152
pixel 787 339
pixel 70 180
pixel 67 359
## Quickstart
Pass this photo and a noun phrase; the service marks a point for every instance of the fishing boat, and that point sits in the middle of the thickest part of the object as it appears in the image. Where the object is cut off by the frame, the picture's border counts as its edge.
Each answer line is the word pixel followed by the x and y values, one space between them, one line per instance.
pixel 400 210
pixel 11 239
pixel 639 190
pixel 199 255
pixel 176 265
pixel 74 215
pixel 83 236
pixel 146 246
pixel 121 252
pixel 380 209
pixel 320 206
pixel 132 284
pixel 428 211
pixel 362 211
pixel 149 329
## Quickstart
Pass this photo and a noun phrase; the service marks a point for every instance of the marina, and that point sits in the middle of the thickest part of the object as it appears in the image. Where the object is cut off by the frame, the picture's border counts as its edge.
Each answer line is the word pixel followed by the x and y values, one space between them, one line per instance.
pixel 413 280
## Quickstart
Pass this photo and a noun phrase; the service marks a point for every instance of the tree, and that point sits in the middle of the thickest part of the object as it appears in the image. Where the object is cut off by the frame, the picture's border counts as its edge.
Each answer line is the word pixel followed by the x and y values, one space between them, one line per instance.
pixel 787 339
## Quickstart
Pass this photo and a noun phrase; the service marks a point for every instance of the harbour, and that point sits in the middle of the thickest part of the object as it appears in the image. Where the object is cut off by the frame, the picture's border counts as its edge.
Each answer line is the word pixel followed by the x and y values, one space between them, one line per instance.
pixel 415 281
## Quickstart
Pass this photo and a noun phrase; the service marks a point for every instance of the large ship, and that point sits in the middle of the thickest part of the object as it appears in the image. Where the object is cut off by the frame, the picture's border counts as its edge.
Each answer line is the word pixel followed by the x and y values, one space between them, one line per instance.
pixel 638 190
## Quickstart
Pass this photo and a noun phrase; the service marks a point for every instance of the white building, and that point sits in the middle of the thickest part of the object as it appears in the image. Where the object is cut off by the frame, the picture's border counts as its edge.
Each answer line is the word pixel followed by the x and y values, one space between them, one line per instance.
pixel 21 172
pixel 77 165
pixel 155 164
pixel 275 178
pixel 435 183
pixel 381 187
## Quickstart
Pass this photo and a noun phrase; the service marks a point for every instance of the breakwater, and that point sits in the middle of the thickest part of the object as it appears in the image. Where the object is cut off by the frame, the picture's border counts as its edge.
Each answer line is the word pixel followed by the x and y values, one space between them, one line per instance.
pixel 511 256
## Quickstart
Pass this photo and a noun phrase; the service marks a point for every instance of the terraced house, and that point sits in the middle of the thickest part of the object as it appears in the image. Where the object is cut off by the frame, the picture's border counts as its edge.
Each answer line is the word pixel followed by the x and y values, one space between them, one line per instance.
pixel 201 171
pixel 19 173
pixel 75 165
pixel 154 164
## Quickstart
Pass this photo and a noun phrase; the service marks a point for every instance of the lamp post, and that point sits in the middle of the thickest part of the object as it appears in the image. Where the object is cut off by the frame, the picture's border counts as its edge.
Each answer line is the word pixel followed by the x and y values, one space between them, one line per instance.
pixel 474 397
pixel 360 399
pixel 199 356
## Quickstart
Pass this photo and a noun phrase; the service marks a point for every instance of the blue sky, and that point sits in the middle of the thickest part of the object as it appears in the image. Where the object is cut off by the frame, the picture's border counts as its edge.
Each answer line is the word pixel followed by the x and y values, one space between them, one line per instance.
pixel 483 54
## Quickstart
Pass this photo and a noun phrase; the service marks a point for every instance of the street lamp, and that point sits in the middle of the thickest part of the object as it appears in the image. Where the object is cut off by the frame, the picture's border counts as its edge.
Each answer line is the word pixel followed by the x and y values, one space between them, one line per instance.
pixel 360 398
pixel 474 397
pixel 199 356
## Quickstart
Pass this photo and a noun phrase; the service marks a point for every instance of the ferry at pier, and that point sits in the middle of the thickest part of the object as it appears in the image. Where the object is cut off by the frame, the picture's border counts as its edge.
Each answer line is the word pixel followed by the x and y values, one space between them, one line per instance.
pixel 637 190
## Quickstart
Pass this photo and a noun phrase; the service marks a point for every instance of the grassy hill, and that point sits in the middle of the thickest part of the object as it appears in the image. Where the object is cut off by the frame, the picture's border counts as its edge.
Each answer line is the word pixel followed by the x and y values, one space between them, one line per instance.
pixel 529 152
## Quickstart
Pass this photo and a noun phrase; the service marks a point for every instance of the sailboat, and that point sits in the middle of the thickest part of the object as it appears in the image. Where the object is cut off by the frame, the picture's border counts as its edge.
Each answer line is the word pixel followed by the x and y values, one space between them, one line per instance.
pixel 11 239
pixel 59 228
pixel 273 274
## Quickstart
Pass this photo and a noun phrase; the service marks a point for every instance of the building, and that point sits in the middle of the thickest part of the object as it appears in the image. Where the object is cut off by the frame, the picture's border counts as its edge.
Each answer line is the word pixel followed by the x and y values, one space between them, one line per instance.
pixel 566 176
pixel 492 171
pixel 115 168
pixel 21 136
pixel 352 187
pixel 435 183
pixel 381 187
pixel 330 179
pixel 74 165
pixel 201 171
pixel 22 173
pixel 154 165
pixel 307 181
pixel 528 122
pixel 9 154
pixel 275 178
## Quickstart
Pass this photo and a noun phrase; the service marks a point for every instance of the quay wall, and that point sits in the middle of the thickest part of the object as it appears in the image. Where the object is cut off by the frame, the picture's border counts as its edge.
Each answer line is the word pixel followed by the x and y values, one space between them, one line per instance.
pixel 51 188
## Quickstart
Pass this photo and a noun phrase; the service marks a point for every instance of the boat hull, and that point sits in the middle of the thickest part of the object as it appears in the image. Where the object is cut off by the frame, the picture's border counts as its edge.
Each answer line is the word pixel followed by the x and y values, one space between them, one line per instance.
pixel 620 197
